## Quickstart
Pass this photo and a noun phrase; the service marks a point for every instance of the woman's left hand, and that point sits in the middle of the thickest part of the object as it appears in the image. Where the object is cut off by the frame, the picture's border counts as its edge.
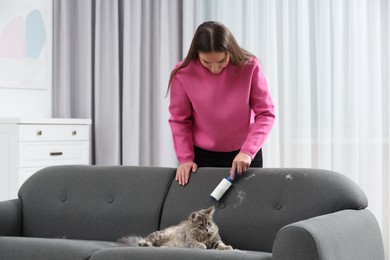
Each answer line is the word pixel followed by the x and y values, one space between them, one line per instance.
pixel 241 163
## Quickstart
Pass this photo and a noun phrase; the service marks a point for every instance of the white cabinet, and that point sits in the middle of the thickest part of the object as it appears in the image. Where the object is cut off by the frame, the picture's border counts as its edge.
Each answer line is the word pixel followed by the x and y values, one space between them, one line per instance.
pixel 28 145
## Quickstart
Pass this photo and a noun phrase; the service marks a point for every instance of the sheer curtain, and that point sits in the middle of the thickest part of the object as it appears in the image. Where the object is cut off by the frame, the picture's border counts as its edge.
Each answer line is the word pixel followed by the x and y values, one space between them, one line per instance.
pixel 326 62
pixel 327 65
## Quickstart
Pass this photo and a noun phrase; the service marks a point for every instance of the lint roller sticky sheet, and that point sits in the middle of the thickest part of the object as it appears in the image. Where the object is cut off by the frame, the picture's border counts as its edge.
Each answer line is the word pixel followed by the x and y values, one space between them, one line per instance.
pixel 222 187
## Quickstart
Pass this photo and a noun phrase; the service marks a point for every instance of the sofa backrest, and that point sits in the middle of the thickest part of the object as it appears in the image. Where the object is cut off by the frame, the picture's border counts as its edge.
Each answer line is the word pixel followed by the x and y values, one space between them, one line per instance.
pixel 108 202
pixel 93 202
pixel 262 201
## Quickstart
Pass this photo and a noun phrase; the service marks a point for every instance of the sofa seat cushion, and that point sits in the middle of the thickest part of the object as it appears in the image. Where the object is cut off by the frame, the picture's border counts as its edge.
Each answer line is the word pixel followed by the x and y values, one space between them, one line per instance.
pixel 16 248
pixel 154 253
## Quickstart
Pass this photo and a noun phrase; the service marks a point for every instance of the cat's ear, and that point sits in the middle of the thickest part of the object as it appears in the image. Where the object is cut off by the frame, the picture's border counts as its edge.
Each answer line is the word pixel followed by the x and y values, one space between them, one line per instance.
pixel 193 216
pixel 210 211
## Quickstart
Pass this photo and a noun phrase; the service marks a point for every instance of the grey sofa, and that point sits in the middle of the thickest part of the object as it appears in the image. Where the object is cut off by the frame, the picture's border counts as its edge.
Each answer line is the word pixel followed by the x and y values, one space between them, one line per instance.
pixel 78 212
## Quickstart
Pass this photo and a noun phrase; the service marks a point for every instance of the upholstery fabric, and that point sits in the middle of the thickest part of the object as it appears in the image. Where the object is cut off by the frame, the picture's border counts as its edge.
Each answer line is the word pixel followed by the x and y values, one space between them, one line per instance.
pixel 331 236
pixel 11 218
pixel 22 248
pixel 176 254
pixel 79 212
pixel 262 201
pixel 93 202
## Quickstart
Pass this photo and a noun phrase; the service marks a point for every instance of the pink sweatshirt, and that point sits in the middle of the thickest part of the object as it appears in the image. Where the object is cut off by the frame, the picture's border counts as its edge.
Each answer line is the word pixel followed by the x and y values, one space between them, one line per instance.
pixel 213 111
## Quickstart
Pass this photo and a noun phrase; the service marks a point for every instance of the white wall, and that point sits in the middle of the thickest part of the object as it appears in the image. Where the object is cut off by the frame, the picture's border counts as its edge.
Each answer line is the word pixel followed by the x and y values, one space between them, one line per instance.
pixel 25 103
pixel 25 79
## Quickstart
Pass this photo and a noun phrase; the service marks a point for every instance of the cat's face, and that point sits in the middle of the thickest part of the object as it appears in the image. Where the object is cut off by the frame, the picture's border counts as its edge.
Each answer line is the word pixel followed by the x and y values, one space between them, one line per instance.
pixel 202 223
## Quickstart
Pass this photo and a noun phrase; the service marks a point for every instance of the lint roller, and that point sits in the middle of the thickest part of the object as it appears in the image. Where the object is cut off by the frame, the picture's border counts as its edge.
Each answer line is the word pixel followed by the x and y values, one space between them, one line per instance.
pixel 222 187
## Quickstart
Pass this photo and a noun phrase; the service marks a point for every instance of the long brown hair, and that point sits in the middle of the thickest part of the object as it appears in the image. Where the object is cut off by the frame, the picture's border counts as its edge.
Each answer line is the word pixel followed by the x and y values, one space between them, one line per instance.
pixel 213 37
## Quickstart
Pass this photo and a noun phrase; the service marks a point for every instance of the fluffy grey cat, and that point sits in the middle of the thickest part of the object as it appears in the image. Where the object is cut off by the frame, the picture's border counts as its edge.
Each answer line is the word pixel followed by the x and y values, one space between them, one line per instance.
pixel 198 231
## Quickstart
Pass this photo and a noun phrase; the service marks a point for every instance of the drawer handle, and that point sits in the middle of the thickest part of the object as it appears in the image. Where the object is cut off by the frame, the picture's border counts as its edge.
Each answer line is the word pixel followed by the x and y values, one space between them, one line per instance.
pixel 74 132
pixel 39 133
pixel 55 153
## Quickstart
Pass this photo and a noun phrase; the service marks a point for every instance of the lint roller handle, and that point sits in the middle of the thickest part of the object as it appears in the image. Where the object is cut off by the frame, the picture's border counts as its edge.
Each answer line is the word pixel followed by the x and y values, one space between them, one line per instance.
pixel 222 187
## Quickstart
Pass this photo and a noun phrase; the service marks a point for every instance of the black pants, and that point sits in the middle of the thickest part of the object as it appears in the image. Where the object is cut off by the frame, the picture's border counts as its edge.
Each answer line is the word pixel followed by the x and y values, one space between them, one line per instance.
pixel 205 158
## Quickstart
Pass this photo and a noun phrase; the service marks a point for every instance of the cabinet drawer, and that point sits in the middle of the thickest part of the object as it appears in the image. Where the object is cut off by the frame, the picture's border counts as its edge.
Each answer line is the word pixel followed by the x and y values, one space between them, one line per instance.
pixel 53 132
pixel 35 154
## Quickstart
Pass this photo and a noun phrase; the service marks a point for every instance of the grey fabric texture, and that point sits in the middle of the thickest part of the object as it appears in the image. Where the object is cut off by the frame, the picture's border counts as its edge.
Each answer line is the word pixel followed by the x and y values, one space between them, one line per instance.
pixel 17 248
pixel 176 254
pixel 262 201
pixel 295 243
pixel 11 218
pixel 93 202
pixel 347 234
pixel 73 212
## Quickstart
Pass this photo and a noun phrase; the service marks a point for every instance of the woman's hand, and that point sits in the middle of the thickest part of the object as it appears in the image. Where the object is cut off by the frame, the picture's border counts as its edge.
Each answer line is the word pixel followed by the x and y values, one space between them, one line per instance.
pixel 183 172
pixel 240 164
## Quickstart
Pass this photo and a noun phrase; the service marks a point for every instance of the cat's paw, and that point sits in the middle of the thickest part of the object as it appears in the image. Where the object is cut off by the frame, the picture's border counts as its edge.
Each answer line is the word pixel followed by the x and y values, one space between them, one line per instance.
pixel 200 246
pixel 224 247
pixel 144 243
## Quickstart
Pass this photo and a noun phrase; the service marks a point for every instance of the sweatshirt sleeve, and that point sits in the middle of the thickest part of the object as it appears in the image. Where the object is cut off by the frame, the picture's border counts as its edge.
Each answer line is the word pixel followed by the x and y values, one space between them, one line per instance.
pixel 180 121
pixel 264 115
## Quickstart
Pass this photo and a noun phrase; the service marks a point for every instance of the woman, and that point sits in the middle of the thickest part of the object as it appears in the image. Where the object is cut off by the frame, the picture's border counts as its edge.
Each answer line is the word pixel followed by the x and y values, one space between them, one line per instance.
pixel 221 110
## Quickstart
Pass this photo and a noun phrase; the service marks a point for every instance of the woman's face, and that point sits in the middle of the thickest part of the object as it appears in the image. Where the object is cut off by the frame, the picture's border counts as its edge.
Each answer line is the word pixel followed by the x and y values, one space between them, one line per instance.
pixel 215 62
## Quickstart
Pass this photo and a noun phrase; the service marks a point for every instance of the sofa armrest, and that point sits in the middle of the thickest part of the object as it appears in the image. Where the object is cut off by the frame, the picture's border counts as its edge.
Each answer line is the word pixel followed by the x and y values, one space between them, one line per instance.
pixel 347 234
pixel 11 217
